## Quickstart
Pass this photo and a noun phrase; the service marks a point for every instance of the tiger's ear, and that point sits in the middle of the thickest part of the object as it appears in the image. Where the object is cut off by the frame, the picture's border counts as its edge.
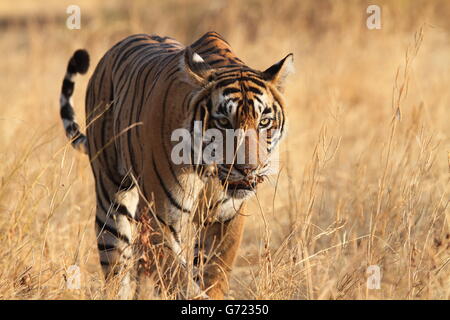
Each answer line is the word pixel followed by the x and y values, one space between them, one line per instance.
pixel 277 73
pixel 195 67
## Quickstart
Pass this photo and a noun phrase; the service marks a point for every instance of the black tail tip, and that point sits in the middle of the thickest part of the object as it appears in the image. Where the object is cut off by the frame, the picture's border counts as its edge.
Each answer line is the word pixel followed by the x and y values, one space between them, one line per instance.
pixel 79 63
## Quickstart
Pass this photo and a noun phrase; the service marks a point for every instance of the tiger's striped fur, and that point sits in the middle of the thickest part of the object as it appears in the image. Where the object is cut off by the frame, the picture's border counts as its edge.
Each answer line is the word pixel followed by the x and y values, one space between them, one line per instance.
pixel 143 89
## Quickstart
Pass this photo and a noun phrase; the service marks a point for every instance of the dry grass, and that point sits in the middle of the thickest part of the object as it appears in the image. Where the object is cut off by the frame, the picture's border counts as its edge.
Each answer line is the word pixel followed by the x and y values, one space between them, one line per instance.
pixel 364 177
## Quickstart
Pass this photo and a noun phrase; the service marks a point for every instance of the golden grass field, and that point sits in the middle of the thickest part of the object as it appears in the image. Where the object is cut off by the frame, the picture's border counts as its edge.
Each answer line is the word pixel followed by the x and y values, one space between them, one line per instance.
pixel 364 177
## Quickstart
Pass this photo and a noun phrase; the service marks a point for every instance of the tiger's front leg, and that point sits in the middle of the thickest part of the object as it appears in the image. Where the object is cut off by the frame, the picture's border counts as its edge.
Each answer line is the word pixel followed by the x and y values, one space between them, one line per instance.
pixel 220 242
pixel 162 264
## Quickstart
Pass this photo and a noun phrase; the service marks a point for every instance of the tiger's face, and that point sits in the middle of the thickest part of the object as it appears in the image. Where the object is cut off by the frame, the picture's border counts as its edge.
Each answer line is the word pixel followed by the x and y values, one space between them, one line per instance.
pixel 245 111
pixel 250 116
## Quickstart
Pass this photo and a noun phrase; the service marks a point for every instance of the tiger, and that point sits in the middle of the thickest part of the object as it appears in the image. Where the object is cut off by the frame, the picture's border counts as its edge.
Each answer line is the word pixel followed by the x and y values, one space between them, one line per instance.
pixel 142 89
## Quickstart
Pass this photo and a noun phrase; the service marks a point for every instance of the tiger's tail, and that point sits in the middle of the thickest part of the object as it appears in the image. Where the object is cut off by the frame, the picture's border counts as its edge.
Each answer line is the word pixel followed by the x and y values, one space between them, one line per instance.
pixel 78 63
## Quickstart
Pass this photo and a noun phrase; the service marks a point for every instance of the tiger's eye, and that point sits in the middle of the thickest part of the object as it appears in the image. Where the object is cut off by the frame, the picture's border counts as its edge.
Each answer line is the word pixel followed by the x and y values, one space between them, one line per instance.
pixel 223 122
pixel 265 123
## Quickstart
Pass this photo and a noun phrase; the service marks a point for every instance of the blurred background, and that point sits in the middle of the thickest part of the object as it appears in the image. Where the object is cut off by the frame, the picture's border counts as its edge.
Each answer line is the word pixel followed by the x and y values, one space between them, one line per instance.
pixel 364 176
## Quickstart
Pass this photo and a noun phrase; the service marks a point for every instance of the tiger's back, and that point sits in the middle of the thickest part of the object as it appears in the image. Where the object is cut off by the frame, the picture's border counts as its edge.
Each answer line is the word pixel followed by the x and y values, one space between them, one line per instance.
pixel 111 99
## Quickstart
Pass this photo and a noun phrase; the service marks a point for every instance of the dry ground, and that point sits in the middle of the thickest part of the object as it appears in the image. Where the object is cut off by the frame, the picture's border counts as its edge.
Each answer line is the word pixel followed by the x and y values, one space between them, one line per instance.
pixel 364 176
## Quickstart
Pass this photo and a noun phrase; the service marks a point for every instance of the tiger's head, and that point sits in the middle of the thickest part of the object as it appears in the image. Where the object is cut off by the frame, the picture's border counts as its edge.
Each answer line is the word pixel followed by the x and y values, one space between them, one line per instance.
pixel 243 119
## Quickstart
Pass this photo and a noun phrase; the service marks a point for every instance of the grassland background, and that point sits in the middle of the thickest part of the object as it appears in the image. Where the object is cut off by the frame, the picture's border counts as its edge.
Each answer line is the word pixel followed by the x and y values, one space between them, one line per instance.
pixel 357 186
